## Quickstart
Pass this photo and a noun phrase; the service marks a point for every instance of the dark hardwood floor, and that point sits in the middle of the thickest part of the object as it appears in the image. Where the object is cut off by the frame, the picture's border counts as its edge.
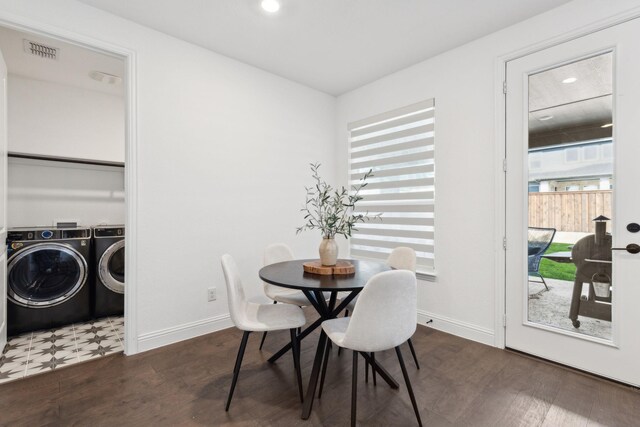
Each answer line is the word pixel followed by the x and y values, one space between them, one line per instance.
pixel 461 383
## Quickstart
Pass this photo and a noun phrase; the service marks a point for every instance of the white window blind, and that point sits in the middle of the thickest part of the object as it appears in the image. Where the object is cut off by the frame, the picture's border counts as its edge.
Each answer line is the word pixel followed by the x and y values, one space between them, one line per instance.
pixel 399 147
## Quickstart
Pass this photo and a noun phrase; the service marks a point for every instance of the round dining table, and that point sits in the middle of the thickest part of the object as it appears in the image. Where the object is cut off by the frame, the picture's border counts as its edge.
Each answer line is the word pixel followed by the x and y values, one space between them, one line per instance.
pixel 316 287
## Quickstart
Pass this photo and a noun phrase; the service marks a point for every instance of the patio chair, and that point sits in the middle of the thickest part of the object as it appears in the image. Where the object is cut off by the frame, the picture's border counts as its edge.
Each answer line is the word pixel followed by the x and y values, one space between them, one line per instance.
pixel 538 241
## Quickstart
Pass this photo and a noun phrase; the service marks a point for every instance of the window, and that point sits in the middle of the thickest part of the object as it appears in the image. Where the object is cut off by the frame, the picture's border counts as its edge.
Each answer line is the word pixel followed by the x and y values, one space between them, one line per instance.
pixel 399 147
pixel 535 161
pixel 590 152
pixel 571 155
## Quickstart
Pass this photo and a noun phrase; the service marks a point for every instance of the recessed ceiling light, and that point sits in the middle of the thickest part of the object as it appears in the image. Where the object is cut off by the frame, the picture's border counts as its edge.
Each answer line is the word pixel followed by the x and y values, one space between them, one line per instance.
pixel 545 118
pixel 570 80
pixel 271 6
pixel 607 125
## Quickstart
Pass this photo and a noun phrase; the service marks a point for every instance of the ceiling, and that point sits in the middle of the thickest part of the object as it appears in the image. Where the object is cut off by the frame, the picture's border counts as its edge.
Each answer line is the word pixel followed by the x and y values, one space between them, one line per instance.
pixel 330 45
pixel 593 80
pixel 72 67
pixel 570 112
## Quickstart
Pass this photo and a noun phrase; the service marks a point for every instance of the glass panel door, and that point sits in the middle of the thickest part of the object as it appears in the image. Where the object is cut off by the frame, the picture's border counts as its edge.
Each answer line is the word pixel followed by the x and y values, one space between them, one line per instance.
pixel 572 125
pixel 570 180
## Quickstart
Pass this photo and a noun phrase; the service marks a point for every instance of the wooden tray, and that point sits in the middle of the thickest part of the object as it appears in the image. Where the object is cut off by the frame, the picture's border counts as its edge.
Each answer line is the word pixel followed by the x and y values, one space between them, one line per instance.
pixel 341 267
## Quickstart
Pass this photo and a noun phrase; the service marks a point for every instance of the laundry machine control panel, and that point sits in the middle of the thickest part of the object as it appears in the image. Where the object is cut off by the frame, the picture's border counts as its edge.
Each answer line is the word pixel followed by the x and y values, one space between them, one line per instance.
pixel 109 231
pixel 33 234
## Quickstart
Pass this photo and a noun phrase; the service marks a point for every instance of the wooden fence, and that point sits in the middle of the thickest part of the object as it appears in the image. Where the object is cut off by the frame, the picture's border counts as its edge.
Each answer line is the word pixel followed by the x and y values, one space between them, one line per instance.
pixel 569 210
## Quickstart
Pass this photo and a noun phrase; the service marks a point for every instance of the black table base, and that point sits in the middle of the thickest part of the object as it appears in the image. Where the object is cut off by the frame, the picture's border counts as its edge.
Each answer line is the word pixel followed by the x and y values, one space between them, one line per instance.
pixel 326 312
pixel 289 274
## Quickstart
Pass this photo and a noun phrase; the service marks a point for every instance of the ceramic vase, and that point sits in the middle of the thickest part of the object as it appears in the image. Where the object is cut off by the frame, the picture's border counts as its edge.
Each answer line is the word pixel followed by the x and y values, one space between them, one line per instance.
pixel 328 252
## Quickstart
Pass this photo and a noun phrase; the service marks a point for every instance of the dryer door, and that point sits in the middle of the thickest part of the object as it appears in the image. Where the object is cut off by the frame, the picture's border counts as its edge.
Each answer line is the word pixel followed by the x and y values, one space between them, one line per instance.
pixel 111 267
pixel 45 274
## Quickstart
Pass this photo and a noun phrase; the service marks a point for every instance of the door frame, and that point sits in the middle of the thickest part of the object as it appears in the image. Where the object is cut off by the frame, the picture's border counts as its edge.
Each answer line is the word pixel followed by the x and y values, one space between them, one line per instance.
pixel 131 148
pixel 500 145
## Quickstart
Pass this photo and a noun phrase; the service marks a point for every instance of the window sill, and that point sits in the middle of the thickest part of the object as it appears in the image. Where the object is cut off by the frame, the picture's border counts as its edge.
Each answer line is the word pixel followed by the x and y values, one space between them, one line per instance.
pixel 427 276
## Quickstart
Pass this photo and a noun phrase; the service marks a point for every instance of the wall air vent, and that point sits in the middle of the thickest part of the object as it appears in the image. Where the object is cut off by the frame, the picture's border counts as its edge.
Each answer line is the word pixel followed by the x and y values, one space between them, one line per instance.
pixel 41 50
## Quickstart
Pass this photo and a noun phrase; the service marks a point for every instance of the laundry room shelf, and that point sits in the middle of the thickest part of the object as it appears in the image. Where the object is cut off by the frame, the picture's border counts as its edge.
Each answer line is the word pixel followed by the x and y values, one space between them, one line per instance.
pixel 65 159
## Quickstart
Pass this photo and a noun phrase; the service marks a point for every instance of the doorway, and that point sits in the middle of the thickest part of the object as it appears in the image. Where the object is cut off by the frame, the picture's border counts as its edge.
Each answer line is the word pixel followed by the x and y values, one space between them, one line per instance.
pixel 571 121
pixel 94 178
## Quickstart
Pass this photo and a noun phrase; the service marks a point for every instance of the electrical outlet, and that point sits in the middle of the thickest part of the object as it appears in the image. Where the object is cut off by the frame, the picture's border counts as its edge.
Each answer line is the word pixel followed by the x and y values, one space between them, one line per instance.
pixel 211 294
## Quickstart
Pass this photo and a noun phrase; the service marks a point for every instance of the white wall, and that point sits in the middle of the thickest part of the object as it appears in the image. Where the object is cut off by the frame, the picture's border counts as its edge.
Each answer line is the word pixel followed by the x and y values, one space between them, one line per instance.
pixel 462 81
pixel 51 119
pixel 223 159
pixel 43 192
pixel 56 120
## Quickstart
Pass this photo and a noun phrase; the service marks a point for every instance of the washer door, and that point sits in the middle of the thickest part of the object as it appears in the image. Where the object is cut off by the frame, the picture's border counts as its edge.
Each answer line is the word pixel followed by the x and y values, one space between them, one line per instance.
pixel 45 274
pixel 111 267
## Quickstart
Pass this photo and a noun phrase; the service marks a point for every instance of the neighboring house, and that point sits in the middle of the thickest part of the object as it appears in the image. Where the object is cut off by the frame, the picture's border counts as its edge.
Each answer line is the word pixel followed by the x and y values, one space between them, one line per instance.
pixel 578 166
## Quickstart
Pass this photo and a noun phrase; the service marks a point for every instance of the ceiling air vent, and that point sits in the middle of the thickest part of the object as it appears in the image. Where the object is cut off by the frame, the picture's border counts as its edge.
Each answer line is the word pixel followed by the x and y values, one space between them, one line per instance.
pixel 41 50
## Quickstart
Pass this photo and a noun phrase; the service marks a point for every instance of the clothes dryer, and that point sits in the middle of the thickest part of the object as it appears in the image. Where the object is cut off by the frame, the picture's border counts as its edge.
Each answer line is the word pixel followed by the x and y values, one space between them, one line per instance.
pixel 47 278
pixel 108 262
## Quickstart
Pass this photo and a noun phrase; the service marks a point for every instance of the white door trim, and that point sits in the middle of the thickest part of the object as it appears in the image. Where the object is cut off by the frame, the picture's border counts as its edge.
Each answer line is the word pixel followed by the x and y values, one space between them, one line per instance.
pixel 500 151
pixel 131 159
pixel 3 201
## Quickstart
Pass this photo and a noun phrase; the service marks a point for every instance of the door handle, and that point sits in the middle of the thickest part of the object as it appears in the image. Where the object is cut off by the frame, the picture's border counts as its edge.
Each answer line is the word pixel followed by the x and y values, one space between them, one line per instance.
pixel 632 248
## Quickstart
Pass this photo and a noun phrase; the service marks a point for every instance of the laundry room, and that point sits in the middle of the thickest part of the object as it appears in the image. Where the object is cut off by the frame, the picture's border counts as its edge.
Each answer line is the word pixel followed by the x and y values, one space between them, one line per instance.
pixel 65 203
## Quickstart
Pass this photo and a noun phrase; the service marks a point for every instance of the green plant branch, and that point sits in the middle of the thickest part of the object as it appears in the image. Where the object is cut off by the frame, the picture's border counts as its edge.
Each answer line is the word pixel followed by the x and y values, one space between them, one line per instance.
pixel 332 211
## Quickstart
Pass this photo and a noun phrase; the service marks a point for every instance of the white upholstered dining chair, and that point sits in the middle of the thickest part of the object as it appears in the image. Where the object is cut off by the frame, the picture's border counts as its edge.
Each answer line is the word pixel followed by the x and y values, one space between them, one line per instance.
pixel 275 253
pixel 384 318
pixel 401 258
pixel 279 252
pixel 252 317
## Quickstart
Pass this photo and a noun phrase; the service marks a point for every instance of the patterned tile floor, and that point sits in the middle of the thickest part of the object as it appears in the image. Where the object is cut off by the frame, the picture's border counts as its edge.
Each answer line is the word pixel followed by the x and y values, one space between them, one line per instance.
pixel 41 351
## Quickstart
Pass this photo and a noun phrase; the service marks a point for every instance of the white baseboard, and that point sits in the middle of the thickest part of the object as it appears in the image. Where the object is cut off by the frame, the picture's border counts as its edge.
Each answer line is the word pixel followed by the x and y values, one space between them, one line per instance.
pixel 190 330
pixel 183 332
pixel 457 327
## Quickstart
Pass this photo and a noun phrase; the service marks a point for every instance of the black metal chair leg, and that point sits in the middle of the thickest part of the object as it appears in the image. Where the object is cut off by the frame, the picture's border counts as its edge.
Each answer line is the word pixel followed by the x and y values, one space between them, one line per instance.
pixel 366 371
pixel 413 353
pixel 373 371
pixel 264 335
pixel 346 314
pixel 295 351
pixel 354 388
pixel 325 362
pixel 407 381
pixel 236 369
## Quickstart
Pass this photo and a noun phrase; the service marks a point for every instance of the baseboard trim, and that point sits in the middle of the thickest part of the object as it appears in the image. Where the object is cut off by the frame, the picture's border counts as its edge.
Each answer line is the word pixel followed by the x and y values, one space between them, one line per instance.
pixel 456 327
pixel 190 330
pixel 183 332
